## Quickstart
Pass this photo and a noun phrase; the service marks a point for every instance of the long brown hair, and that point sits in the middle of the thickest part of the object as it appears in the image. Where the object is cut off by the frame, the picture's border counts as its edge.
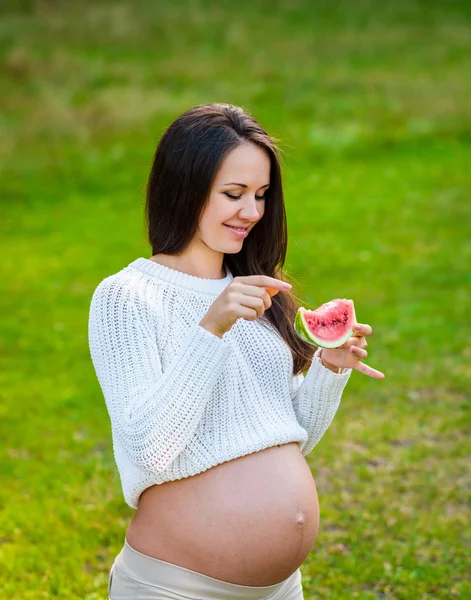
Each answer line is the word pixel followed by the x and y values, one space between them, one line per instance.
pixel 185 164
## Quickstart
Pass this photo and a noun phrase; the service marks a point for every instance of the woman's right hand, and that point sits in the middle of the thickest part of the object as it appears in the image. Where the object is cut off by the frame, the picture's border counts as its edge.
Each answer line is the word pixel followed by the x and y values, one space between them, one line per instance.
pixel 245 297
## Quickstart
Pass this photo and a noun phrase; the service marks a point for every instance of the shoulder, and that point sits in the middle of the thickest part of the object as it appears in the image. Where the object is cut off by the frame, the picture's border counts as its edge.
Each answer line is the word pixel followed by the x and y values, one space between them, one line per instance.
pixel 127 285
pixel 123 294
pixel 130 294
pixel 114 288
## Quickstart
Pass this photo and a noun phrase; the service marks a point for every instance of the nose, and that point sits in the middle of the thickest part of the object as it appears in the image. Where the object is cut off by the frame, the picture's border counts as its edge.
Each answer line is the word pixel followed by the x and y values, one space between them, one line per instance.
pixel 250 210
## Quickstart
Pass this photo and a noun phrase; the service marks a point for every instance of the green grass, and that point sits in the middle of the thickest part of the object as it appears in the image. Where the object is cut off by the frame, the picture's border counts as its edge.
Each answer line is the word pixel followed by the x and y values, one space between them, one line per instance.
pixel 372 101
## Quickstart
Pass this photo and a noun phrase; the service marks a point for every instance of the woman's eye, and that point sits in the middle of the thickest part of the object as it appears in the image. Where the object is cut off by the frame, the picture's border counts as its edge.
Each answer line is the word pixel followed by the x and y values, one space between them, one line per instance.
pixel 238 197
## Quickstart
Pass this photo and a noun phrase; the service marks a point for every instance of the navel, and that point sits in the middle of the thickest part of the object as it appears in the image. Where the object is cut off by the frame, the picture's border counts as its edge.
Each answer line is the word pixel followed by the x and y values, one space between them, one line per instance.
pixel 300 520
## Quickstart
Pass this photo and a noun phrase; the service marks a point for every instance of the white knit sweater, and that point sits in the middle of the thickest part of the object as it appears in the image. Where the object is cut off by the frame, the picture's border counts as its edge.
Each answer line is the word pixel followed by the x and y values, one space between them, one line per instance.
pixel 181 399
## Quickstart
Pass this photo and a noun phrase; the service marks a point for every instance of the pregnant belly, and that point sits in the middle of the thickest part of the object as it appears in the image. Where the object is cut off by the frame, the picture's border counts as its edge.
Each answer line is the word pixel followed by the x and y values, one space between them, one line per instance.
pixel 249 521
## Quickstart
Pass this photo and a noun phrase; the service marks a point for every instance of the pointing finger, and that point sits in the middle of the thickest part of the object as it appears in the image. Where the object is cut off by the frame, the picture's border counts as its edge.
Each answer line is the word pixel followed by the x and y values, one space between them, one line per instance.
pixel 368 371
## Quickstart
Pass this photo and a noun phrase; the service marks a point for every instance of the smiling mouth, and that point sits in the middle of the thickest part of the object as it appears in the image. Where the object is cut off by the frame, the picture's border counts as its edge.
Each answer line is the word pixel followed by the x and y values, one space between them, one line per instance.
pixel 236 228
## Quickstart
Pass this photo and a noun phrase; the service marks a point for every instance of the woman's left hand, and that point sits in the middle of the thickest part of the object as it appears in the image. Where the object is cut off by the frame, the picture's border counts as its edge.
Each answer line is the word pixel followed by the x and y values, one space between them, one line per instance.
pixel 352 352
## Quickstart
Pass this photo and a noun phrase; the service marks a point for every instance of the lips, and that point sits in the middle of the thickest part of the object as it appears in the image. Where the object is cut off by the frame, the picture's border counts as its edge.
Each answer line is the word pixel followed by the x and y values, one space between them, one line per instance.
pixel 240 234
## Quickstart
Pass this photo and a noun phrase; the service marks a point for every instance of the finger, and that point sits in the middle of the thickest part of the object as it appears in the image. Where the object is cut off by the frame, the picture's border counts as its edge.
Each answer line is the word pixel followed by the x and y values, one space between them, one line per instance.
pixel 358 352
pixel 362 329
pixel 264 281
pixel 366 370
pixel 359 342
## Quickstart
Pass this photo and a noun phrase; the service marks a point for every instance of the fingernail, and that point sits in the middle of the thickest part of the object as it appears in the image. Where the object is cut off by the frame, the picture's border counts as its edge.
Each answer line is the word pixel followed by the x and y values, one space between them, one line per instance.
pixel 287 285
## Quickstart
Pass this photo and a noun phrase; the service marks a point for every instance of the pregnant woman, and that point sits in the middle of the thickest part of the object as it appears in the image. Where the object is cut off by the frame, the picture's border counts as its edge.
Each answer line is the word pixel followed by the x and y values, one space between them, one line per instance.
pixel 202 374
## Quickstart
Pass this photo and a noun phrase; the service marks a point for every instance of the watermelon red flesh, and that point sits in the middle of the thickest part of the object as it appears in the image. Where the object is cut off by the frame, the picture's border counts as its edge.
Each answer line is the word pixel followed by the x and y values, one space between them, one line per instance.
pixel 329 326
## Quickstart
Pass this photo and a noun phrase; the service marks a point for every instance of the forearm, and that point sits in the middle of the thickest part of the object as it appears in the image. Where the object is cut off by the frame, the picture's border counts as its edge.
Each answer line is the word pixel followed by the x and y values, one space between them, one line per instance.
pixel 317 399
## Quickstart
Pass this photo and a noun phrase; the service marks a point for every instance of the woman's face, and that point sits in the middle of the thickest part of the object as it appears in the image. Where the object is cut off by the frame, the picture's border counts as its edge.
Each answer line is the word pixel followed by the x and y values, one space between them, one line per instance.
pixel 245 175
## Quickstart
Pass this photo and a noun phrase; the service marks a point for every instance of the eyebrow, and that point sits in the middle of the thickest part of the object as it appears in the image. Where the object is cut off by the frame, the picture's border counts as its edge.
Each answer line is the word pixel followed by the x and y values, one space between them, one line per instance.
pixel 243 184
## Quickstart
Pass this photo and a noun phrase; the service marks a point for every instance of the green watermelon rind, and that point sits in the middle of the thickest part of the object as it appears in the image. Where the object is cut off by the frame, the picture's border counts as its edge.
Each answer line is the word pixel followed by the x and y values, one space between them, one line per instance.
pixel 304 333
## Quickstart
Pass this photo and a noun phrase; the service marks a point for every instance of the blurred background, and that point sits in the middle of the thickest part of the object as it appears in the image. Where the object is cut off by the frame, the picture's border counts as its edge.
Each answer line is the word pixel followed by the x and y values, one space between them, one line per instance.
pixel 372 104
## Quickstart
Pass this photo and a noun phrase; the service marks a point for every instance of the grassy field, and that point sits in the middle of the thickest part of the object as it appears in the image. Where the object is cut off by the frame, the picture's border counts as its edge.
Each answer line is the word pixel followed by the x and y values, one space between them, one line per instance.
pixel 372 102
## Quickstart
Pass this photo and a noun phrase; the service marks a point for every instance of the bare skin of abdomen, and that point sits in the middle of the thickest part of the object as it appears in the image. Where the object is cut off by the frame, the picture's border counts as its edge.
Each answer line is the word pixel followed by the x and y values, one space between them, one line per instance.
pixel 250 521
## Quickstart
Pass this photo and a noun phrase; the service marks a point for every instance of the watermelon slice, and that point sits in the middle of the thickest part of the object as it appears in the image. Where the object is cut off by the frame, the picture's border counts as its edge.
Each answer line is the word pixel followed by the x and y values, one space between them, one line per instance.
pixel 329 326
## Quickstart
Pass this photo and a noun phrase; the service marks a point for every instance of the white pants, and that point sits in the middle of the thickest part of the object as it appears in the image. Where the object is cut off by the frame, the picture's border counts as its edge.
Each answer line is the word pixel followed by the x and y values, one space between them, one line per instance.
pixel 137 576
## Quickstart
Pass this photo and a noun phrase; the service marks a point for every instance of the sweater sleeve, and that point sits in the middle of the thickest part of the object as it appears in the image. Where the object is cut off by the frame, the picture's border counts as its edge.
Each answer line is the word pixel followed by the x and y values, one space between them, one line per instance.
pixel 316 398
pixel 153 412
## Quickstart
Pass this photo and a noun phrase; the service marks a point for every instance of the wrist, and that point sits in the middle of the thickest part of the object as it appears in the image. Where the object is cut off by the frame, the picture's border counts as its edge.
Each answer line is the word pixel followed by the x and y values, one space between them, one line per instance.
pixel 328 365
pixel 209 327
